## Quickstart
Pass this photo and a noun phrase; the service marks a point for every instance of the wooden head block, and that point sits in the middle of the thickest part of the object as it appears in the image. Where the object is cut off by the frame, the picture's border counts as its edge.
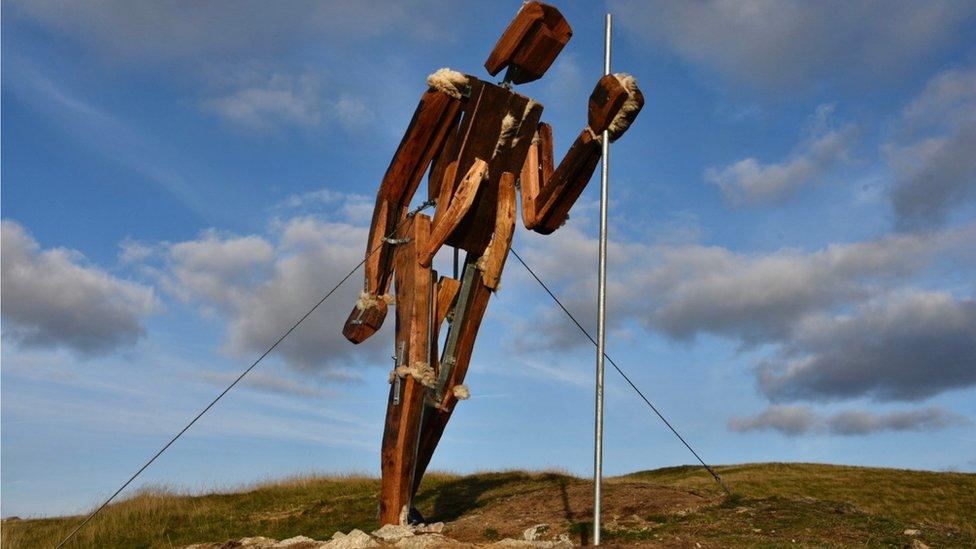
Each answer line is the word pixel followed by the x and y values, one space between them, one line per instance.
pixel 606 100
pixel 530 44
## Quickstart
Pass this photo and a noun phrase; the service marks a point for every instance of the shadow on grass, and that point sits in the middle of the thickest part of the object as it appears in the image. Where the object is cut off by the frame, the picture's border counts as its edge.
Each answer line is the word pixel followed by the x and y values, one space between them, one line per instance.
pixel 453 498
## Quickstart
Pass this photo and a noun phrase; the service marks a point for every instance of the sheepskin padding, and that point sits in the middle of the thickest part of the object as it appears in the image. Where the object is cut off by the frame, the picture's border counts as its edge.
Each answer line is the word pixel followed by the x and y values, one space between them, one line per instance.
pixel 622 121
pixel 420 371
pixel 461 392
pixel 367 300
pixel 508 130
pixel 448 81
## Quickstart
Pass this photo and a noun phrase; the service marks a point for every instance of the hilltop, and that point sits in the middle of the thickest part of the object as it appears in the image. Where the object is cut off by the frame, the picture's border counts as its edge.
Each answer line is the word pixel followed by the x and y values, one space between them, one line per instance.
pixel 776 504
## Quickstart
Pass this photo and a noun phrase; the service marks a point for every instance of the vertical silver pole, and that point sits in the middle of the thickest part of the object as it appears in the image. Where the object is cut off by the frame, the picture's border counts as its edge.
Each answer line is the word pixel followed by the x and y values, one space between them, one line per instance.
pixel 601 311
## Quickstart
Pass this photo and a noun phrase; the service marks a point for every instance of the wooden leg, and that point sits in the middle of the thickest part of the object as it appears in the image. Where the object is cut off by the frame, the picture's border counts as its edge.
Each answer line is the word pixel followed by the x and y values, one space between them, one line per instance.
pixel 409 384
pixel 472 300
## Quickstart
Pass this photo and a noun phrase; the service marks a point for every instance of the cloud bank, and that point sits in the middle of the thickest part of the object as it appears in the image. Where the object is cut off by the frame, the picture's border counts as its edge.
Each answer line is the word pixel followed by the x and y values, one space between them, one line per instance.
pixel 795 421
pixel 791 45
pixel 53 299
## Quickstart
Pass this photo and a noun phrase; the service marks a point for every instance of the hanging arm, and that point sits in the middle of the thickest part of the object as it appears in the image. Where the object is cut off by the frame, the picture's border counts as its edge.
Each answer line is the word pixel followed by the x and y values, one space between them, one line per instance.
pixel 548 194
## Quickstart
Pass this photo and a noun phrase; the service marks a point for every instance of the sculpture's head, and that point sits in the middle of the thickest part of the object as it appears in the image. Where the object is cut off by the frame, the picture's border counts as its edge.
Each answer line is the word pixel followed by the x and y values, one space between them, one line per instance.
pixel 530 44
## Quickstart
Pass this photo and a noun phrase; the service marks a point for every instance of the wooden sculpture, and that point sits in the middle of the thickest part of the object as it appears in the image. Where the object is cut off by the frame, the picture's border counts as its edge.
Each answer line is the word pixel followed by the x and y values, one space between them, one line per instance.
pixel 484 143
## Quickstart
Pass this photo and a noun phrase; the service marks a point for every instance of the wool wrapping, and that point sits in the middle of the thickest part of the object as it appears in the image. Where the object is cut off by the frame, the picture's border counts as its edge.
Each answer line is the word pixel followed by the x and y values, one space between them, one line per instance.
pixel 367 300
pixel 448 81
pixel 420 371
pixel 461 392
pixel 509 127
pixel 622 121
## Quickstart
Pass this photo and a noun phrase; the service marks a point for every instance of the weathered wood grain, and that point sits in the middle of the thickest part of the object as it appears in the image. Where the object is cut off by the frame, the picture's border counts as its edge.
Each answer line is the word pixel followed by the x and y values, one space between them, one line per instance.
pixel 422 140
pixel 403 414
pixel 436 418
pixel 460 204
pixel 493 260
pixel 530 44
pixel 605 102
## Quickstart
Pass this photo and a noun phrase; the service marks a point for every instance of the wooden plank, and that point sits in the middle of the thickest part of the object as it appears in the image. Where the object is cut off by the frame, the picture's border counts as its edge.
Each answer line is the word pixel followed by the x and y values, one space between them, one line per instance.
pixel 460 204
pixel 449 150
pixel 379 261
pixel 403 414
pixel 493 261
pixel 447 290
pixel 529 184
pixel 475 230
pixel 469 109
pixel 567 183
pixel 545 148
pixel 536 170
pixel 428 127
pixel 435 419
pixel 446 295
pixel 446 192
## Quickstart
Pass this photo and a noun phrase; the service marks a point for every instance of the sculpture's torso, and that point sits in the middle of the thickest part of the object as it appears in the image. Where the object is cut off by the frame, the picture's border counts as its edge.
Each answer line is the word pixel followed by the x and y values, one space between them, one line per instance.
pixel 496 125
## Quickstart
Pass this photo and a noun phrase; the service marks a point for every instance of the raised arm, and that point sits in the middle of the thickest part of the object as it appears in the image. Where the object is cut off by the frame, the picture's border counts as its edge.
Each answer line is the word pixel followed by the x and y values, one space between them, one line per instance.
pixel 435 116
pixel 547 194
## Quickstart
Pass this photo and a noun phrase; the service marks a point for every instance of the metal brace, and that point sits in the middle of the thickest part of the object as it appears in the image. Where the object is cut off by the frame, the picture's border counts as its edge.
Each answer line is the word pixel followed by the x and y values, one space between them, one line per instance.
pixel 396 241
pixel 396 377
pixel 359 319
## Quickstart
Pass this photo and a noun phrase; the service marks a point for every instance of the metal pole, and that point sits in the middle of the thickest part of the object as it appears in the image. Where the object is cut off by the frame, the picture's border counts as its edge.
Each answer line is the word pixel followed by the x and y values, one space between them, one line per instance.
pixel 601 311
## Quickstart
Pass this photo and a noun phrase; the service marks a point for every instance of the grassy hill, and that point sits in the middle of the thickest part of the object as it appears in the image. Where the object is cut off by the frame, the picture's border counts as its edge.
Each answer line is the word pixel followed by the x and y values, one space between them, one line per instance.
pixel 774 505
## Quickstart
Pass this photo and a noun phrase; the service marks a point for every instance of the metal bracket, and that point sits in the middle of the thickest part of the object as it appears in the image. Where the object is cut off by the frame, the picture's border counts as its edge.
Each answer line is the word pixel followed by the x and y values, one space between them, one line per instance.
pixel 396 241
pixel 454 331
pixel 359 318
pixel 397 385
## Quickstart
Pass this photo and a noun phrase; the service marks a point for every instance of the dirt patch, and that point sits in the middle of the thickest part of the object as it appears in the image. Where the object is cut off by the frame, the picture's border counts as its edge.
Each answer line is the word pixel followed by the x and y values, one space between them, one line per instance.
pixel 568 508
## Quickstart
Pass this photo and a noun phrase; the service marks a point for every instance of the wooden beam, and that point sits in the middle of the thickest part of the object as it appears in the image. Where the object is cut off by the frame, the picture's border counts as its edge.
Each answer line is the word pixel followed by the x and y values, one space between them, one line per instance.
pixel 567 183
pixel 493 260
pixel 536 170
pixel 430 124
pixel 475 300
pixel 459 206
pixel 406 398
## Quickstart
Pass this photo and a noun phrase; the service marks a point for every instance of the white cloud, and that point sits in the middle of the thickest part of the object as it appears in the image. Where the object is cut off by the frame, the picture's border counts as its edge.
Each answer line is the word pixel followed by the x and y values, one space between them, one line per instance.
pixel 53 298
pixel 131 251
pixel 794 421
pixel 264 100
pixel 795 45
pixel 687 290
pixel 840 322
pixel 788 420
pixel 215 269
pixel 262 285
pixel 823 149
pixel 908 346
pixel 268 383
pixel 930 151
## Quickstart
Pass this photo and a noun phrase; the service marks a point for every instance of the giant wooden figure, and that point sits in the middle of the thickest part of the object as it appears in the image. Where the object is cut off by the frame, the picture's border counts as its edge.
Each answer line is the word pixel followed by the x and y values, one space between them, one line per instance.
pixel 484 143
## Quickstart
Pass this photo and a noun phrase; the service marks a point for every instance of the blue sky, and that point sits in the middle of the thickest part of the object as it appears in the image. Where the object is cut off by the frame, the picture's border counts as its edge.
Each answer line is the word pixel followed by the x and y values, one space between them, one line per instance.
pixel 792 228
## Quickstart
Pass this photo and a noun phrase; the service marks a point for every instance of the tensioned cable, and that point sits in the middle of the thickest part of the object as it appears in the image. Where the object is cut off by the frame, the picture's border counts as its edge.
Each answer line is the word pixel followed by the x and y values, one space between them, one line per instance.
pixel 420 208
pixel 622 374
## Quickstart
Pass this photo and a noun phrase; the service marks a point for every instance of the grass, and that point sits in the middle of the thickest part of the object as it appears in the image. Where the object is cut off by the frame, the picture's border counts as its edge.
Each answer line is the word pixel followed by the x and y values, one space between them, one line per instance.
pixel 774 504
pixel 912 497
